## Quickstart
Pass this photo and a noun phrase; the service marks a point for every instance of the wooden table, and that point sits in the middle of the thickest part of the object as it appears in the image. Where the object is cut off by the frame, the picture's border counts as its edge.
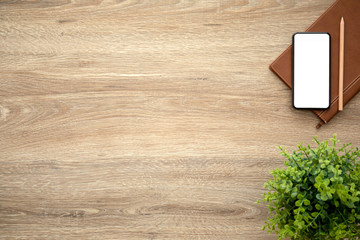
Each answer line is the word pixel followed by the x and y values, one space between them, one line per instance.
pixel 147 119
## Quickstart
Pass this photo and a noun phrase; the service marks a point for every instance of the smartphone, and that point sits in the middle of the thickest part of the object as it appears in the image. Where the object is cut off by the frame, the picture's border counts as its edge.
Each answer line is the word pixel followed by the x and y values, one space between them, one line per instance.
pixel 311 70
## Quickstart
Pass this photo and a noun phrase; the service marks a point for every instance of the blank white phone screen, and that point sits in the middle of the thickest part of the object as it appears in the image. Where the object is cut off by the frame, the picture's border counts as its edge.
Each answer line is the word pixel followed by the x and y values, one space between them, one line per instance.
pixel 311 83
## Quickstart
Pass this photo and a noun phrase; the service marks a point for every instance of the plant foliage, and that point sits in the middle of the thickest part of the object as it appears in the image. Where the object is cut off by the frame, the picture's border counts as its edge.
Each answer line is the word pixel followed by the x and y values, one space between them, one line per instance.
pixel 317 195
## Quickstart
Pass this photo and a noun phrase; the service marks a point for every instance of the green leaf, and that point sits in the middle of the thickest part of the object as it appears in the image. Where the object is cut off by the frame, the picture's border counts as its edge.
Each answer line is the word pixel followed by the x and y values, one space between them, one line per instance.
pixel 318 179
pixel 300 196
pixel 324 197
pixel 317 194
pixel 314 214
pixel 293 195
pixel 326 181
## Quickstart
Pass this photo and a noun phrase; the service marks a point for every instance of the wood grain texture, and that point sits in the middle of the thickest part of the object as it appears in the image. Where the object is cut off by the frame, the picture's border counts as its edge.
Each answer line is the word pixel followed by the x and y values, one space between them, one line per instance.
pixel 141 119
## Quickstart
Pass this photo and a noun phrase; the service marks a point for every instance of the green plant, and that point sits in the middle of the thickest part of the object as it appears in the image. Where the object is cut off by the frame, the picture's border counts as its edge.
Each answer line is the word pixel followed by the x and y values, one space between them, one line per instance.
pixel 317 195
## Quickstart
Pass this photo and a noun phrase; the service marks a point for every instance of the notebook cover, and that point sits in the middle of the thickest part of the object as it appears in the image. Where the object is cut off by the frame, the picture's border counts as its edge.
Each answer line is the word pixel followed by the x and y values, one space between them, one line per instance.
pixel 329 22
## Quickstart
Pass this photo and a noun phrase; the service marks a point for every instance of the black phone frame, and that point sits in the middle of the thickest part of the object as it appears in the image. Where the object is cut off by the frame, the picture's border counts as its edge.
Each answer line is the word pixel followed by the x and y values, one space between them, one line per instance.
pixel 292 69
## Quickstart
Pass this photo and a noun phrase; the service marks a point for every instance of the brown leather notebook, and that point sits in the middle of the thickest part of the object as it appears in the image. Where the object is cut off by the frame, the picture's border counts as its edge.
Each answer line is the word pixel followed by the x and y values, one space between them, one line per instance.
pixel 329 22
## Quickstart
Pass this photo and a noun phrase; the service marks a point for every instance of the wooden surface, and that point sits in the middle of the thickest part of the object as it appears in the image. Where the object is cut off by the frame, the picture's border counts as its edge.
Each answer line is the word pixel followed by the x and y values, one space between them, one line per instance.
pixel 147 119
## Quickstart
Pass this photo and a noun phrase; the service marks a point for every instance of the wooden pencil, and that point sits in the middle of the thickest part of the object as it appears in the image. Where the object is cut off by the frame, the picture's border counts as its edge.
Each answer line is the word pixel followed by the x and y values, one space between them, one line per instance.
pixel 341 65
